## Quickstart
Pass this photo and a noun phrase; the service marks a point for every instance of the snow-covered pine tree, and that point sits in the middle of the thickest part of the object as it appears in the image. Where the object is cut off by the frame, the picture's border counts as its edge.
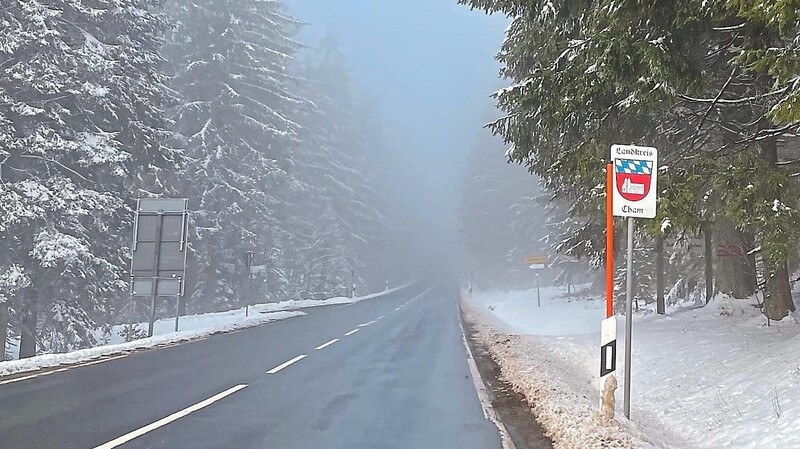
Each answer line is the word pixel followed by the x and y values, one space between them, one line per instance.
pixel 231 64
pixel 336 167
pixel 80 128
pixel 713 83
pixel 502 216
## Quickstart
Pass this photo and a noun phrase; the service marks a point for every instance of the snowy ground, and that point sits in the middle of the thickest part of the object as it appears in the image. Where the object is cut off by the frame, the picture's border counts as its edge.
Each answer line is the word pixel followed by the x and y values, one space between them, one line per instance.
pixel 708 378
pixel 191 327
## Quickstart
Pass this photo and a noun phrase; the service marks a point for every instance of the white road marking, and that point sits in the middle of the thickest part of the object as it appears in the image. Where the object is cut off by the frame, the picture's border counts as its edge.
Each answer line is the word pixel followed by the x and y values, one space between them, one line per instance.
pixel 380 317
pixel 101 361
pixel 367 324
pixel 352 332
pixel 397 309
pixel 323 346
pixel 168 419
pixel 285 364
pixel 60 370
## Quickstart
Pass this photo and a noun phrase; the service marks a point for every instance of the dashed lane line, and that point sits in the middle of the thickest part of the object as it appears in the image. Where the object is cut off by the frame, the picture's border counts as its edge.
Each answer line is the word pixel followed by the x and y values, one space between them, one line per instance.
pixel 352 332
pixel 286 364
pixel 325 345
pixel 168 419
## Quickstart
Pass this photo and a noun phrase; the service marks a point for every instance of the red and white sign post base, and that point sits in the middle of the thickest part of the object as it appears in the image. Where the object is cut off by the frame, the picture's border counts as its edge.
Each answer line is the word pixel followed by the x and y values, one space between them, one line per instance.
pixel 631 191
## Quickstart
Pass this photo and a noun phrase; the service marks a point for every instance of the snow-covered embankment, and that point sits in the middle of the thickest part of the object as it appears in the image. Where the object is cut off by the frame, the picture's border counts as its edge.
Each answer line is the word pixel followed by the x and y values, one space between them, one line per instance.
pixel 702 378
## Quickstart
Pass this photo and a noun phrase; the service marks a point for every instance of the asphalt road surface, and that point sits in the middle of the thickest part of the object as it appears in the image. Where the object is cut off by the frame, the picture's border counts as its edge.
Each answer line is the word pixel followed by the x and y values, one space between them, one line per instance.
pixel 381 374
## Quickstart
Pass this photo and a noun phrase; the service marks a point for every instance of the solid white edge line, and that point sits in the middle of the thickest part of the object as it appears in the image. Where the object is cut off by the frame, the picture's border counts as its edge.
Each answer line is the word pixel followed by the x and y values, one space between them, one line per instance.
pixel 325 345
pixel 59 370
pixel 95 362
pixel 168 419
pixel 285 364
pixel 352 332
pixel 480 389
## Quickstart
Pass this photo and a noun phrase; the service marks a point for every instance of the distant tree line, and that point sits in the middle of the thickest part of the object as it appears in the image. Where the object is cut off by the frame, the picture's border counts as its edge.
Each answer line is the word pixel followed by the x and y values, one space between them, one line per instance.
pixel 713 84
pixel 105 101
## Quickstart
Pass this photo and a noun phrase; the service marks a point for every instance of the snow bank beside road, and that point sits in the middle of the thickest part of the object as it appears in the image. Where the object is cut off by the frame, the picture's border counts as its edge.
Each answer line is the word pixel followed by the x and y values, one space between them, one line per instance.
pixel 564 404
pixel 518 313
pixel 191 327
pixel 707 378
pixel 210 326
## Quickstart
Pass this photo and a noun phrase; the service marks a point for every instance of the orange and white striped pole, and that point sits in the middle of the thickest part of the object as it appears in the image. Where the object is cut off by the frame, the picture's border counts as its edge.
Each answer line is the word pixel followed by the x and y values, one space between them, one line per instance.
pixel 609 241
pixel 608 328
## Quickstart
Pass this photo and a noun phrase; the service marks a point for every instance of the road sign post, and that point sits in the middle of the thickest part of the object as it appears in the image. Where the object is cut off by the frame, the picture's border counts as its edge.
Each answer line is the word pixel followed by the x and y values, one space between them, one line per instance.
pixel 626 405
pixel 248 263
pixel 158 263
pixel 634 195
pixel 537 263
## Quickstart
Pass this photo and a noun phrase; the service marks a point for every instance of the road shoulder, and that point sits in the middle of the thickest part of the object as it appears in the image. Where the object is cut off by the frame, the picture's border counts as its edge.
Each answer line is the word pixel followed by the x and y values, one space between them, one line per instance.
pixel 537 391
pixel 507 408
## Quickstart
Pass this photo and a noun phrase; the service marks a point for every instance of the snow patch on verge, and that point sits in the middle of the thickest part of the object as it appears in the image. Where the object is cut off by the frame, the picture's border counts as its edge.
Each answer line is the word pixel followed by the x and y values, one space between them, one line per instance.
pixel 565 405
pixel 192 327
pixel 703 378
pixel 82 355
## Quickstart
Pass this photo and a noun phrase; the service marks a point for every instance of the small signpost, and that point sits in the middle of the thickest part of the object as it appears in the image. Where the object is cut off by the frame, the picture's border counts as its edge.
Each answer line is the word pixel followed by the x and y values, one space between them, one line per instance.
pixel 537 263
pixel 158 265
pixel 633 195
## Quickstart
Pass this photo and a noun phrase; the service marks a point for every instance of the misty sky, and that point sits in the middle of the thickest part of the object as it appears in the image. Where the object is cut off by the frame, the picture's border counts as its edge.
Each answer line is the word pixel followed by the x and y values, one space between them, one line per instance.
pixel 428 65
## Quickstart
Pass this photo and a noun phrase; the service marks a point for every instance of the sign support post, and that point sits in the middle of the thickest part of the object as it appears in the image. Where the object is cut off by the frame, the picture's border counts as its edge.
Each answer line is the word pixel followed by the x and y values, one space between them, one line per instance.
pixel 158 262
pixel 177 311
pixel 626 405
pixel 538 293
pixel 153 289
pixel 471 281
pixel 608 328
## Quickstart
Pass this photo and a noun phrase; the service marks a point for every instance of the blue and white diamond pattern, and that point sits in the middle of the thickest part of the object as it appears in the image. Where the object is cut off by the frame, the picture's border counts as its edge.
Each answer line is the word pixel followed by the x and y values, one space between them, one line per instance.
pixel 630 166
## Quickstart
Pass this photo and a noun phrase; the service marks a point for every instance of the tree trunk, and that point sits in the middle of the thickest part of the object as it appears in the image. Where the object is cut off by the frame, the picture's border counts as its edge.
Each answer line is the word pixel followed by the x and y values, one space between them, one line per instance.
pixel 736 274
pixel 709 261
pixel 3 329
pixel 27 340
pixel 660 306
pixel 778 298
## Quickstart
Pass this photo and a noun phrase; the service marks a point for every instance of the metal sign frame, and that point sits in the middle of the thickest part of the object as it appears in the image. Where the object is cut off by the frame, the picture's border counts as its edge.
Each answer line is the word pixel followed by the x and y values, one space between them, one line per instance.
pixel 159 223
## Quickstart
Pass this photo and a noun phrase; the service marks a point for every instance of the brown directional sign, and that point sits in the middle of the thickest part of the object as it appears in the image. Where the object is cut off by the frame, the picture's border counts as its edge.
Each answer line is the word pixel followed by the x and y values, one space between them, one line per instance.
pixel 729 250
pixel 535 260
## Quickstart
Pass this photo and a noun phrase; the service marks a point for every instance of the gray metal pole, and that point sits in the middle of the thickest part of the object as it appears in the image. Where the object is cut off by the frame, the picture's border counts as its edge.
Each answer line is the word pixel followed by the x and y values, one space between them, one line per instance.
pixel 154 287
pixel 628 321
pixel 471 281
pixel 538 294
pixel 177 310
pixel 133 316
